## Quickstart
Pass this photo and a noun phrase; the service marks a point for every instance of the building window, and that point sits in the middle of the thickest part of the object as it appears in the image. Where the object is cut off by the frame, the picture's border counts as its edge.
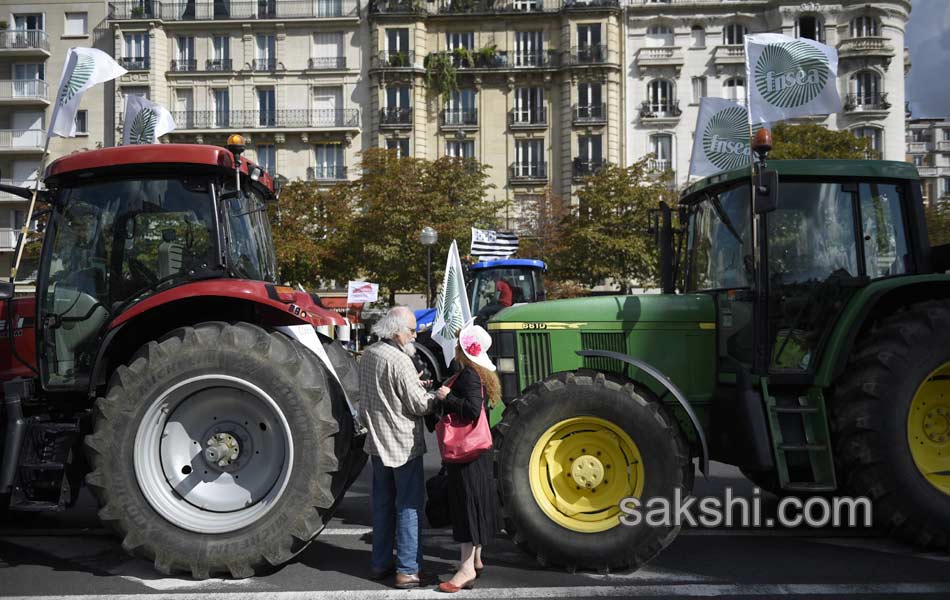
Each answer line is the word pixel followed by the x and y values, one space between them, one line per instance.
pixel 400 145
pixel 865 26
pixel 698 36
pixel 529 158
pixel 267 158
pixel 397 42
pixel 82 123
pixel 873 135
pixel 864 89
pixel 460 40
pixel 734 34
pixel 267 107
pixel 529 105
pixel 221 100
pixel 589 45
pixel 590 101
pixel 397 96
pixel 918 160
pixel 28 22
pixel 661 146
pixel 328 51
pixel 329 162
pixel 945 192
pixel 460 148
pixel 590 154
pixel 659 35
pixel 135 51
pixel 734 89
pixel 660 98
pixel 77 24
pixel 810 27
pixel 266 53
pixel 529 49
pixel 699 89
pixel 25 80
pixel 460 108
pixel 186 53
pixel 946 135
pixel 220 54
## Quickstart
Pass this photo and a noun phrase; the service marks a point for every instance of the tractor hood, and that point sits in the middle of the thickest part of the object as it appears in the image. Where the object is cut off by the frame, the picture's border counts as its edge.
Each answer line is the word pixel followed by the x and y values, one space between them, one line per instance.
pixel 647 308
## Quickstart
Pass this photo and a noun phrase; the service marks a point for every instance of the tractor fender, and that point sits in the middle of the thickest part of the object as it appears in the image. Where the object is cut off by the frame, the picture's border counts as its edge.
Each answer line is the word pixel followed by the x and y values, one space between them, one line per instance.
pixel 665 381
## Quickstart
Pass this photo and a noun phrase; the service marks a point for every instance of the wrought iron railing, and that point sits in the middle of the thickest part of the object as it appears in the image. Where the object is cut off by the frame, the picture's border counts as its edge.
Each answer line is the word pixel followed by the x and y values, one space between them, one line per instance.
pixel 664 109
pixel 324 63
pixel 590 55
pixel 590 113
pixel 395 116
pixel 218 64
pixel 528 117
pixel 860 102
pixel 210 10
pixel 264 64
pixel 528 170
pixel 135 63
pixel 394 60
pixel 459 118
pixel 184 65
pixel 24 39
pixel 284 118
pixel 326 173
pixel 585 167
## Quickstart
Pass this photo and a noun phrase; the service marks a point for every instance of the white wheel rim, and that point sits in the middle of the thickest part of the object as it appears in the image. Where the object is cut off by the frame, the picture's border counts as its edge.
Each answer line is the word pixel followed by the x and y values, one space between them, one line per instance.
pixel 172 450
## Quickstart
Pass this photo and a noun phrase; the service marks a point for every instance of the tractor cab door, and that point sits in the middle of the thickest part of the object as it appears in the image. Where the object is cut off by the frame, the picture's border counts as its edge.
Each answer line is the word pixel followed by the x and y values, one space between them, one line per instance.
pixel 109 244
pixel 496 288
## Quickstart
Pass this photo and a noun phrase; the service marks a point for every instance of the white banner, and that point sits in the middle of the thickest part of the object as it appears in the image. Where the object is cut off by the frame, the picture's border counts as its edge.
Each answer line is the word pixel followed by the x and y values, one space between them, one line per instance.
pixel 788 77
pixel 84 68
pixel 452 311
pixel 144 121
pixel 360 291
pixel 722 139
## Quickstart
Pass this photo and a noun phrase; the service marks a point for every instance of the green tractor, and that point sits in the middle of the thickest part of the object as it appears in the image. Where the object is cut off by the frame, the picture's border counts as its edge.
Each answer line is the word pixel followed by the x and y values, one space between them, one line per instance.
pixel 809 346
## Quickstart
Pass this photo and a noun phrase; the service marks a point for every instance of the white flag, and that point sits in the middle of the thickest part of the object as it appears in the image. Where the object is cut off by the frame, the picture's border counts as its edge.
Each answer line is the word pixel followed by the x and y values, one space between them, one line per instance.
pixel 145 121
pixel 451 308
pixel 722 139
pixel 790 77
pixel 84 68
pixel 488 244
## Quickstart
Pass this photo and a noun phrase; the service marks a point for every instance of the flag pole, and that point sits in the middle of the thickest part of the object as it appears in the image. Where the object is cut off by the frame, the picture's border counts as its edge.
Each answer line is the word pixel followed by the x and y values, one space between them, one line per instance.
pixel 21 243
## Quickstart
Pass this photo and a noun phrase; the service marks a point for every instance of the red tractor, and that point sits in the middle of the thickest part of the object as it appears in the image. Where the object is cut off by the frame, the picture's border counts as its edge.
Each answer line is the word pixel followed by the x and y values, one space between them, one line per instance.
pixel 161 364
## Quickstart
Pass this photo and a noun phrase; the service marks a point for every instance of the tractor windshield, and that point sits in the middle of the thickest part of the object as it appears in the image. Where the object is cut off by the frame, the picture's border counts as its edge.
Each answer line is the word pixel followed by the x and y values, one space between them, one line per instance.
pixel 496 288
pixel 719 242
pixel 112 242
pixel 250 249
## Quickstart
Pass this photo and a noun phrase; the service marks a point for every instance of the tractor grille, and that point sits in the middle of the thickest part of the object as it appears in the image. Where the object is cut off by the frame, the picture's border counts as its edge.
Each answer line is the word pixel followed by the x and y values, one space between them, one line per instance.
pixel 613 342
pixel 536 350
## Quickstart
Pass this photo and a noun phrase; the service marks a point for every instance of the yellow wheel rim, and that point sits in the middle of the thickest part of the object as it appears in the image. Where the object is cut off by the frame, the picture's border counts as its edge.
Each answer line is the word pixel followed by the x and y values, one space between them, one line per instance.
pixel 928 428
pixel 581 468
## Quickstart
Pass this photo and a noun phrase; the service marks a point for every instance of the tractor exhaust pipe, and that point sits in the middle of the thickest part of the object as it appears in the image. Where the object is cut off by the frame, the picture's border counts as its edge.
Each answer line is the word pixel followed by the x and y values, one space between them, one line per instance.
pixel 15 428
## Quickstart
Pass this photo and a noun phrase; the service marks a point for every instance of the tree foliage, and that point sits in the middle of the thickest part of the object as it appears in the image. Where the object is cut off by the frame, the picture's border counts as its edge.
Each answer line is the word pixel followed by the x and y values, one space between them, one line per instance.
pixel 539 225
pixel 606 236
pixel 810 141
pixel 938 223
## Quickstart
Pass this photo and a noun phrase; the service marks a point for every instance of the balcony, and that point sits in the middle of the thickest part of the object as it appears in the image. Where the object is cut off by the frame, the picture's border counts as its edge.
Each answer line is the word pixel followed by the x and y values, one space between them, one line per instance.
pixel 394 60
pixel 456 7
pixel 218 65
pixel 24 91
pixel 660 112
pixel 264 65
pixel 865 47
pixel 528 173
pixel 918 147
pixel 583 168
pixel 397 7
pixel 326 63
pixel 660 165
pixel 590 55
pixel 866 103
pixel 395 118
pixel 943 146
pixel 590 114
pixel 528 118
pixel 928 171
pixel 590 4
pixel 728 55
pixel 27 42
pixel 184 66
pixel 663 56
pixel 459 119
pixel 500 60
pixel 348 118
pixel 21 140
pixel 224 10
pixel 135 63
pixel 326 173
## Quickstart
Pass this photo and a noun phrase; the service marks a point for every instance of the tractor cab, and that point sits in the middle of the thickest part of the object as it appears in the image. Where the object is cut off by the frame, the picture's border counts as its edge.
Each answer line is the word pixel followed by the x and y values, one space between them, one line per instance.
pixel 127 229
pixel 498 284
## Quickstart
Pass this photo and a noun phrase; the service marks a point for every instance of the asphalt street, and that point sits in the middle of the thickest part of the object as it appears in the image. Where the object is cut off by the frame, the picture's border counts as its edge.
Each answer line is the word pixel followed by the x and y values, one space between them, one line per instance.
pixel 69 555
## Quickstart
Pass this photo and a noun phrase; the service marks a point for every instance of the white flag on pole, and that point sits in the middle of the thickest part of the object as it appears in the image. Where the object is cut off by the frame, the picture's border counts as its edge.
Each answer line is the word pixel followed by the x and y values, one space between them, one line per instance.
pixel 144 121
pixel 721 140
pixel 84 68
pixel 789 77
pixel 451 308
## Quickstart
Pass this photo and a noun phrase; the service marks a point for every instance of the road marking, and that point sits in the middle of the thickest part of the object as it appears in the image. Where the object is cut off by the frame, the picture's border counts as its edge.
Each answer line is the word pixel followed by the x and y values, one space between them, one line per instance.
pixel 884 545
pixel 702 590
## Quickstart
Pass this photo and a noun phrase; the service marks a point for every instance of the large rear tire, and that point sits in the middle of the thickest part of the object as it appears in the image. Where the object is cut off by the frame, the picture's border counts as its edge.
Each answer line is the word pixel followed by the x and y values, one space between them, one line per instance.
pixel 218 450
pixel 569 451
pixel 891 424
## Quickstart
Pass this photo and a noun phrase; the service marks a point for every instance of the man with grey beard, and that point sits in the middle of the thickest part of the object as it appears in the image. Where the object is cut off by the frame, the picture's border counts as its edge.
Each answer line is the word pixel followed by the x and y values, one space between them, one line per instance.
pixel 393 403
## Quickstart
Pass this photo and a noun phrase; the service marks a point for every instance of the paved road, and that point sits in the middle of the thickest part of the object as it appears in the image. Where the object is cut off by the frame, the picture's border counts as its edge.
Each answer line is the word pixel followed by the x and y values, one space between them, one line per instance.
pixel 69 555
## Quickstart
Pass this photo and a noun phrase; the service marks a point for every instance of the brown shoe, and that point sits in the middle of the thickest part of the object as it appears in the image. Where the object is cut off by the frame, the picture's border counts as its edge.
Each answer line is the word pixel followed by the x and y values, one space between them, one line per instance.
pixel 406 581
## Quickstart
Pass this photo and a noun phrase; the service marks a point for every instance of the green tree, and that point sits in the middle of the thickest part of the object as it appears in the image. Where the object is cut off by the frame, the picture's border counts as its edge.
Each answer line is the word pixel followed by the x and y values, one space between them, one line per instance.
pixel 938 223
pixel 539 225
pixel 814 141
pixel 606 235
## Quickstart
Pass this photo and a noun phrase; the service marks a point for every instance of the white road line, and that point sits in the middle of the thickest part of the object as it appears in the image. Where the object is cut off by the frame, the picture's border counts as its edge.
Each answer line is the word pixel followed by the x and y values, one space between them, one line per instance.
pixel 887 546
pixel 702 590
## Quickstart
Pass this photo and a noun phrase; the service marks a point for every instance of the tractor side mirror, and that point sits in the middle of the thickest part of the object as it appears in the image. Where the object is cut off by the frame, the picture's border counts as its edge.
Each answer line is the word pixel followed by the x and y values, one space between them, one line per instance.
pixel 766 191
pixel 6 290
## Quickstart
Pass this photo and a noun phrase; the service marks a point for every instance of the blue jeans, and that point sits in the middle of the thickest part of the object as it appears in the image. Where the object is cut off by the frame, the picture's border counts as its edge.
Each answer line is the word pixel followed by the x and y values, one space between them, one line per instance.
pixel 398 497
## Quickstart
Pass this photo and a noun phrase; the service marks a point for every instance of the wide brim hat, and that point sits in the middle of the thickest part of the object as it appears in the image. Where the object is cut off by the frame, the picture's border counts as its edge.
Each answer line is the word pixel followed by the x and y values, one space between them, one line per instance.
pixel 475 342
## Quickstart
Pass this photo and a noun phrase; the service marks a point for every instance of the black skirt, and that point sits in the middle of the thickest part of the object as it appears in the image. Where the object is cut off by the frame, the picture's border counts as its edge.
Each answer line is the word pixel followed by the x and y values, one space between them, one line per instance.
pixel 472 500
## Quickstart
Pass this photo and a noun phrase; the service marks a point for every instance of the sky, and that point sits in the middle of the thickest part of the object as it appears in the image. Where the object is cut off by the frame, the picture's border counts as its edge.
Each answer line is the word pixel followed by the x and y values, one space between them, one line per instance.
pixel 928 38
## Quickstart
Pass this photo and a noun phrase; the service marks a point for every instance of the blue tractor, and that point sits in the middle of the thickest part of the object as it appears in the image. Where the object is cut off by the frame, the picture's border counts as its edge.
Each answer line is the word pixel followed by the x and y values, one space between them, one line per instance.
pixel 493 285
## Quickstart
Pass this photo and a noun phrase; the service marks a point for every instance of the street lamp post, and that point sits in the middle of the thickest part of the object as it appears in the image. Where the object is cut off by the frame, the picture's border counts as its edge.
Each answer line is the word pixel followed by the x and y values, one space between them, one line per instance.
pixel 428 237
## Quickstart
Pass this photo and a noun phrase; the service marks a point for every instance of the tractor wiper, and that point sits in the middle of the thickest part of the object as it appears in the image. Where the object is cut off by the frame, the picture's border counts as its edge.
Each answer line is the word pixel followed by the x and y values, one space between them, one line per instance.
pixel 724 218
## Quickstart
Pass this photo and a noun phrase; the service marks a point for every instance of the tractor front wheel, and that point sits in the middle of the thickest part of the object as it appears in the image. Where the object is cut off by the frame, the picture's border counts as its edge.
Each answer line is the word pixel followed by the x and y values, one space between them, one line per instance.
pixel 215 450
pixel 569 452
pixel 891 423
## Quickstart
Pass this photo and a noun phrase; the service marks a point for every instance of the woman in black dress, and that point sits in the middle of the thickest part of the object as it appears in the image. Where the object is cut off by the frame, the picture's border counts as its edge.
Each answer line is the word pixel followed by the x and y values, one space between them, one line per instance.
pixel 472 496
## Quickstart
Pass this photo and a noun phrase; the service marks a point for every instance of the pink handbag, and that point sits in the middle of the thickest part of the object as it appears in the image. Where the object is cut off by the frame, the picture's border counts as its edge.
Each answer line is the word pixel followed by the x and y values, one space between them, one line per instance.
pixel 461 442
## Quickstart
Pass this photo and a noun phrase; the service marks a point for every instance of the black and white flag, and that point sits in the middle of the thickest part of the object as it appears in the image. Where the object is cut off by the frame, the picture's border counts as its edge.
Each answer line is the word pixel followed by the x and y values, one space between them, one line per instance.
pixel 489 245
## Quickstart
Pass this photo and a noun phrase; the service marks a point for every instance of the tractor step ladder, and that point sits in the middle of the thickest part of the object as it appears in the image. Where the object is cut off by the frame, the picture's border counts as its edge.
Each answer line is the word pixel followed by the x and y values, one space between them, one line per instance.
pixel 43 462
pixel 813 421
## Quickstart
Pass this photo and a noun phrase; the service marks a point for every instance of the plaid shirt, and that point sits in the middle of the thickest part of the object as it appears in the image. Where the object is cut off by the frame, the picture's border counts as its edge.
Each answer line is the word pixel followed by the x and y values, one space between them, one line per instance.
pixel 392 404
